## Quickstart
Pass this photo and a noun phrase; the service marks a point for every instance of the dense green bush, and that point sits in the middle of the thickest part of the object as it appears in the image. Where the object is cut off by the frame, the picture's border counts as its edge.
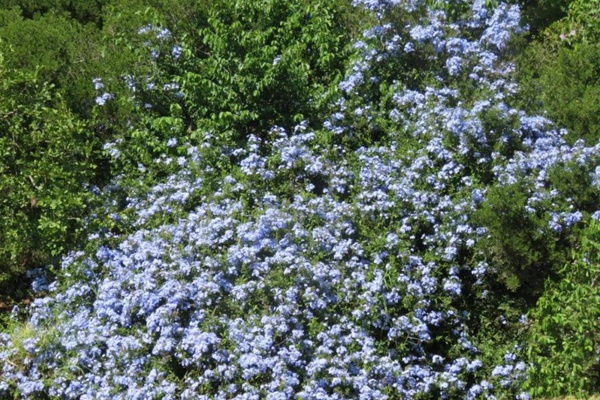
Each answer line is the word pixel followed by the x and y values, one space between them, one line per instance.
pixel 566 83
pixel 564 326
pixel 61 51
pixel 256 65
pixel 560 72
pixel 89 11
pixel 45 159
pixel 519 244
pixel 539 14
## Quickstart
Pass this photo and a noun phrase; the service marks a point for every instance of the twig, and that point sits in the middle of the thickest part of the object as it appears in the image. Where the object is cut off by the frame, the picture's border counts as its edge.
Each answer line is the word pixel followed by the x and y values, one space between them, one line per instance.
pixel 33 183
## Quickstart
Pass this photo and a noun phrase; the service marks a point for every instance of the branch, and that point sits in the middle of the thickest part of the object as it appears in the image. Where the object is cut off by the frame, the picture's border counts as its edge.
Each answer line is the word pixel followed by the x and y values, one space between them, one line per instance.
pixel 33 183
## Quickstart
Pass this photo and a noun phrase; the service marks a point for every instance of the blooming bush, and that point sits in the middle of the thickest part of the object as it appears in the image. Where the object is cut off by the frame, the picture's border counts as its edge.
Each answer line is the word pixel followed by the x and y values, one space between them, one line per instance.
pixel 363 255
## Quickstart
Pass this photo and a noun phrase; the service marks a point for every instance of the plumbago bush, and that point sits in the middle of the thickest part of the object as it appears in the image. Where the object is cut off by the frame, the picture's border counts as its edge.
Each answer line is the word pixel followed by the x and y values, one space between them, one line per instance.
pixel 389 250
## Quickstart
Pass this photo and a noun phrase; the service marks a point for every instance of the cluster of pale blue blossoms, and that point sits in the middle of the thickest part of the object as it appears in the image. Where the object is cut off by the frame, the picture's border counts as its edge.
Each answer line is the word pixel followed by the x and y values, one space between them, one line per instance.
pixel 153 34
pixel 102 96
pixel 348 287
pixel 157 39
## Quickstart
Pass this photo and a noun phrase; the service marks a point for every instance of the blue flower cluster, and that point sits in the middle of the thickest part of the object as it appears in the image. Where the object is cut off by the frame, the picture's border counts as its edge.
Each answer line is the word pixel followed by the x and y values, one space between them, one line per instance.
pixel 313 272
pixel 103 96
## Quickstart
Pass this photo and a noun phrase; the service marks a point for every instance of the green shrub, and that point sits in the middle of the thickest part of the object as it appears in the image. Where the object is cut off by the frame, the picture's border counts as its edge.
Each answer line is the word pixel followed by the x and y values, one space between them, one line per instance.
pixel 539 14
pixel 519 246
pixel 88 11
pixel 59 50
pixel 559 71
pixel 564 337
pixel 45 157
pixel 566 83
pixel 257 64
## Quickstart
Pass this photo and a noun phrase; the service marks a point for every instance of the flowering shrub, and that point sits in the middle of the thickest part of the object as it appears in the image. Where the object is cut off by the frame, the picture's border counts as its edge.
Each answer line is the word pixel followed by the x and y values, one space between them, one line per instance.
pixel 355 257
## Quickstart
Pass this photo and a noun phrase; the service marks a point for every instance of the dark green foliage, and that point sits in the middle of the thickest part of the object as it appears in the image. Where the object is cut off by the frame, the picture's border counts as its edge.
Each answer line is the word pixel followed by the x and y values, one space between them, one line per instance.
pixel 574 181
pixel 539 14
pixel 520 246
pixel 69 53
pixel 560 72
pixel 82 11
pixel 62 52
pixel 59 50
pixel 45 43
pixel 567 83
